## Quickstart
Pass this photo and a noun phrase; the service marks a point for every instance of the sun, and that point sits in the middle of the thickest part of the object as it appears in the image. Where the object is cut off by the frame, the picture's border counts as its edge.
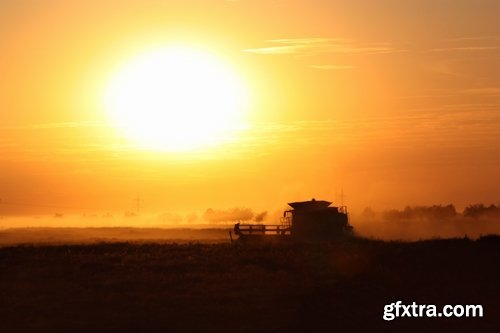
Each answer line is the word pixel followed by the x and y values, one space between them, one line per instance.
pixel 177 99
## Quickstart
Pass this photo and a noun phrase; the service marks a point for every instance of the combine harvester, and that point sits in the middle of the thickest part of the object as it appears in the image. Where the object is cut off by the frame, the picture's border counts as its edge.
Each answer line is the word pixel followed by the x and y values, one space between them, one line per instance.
pixel 308 220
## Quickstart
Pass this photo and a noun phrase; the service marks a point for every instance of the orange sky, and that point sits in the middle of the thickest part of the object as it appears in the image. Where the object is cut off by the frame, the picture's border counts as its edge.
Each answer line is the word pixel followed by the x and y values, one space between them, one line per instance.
pixel 393 102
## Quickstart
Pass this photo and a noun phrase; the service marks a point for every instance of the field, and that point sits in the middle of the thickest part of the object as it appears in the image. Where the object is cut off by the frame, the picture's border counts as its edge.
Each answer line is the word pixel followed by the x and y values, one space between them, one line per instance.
pixel 64 236
pixel 233 287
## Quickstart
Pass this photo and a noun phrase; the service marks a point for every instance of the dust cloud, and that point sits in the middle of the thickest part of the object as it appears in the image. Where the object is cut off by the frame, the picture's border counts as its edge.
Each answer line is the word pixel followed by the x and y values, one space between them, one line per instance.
pixel 426 222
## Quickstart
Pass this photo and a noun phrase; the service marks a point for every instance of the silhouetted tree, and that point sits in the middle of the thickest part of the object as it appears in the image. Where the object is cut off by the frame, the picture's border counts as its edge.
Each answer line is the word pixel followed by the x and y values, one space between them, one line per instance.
pixel 231 215
pixel 444 212
pixel 368 214
pixel 435 212
pixel 480 210
pixel 391 215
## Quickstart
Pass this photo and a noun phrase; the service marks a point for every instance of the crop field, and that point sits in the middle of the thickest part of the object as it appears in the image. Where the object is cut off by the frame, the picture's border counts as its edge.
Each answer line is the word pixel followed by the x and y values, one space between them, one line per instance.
pixel 238 287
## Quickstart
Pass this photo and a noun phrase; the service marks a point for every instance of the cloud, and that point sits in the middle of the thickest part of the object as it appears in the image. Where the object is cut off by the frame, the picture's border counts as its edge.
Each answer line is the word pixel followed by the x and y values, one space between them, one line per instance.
pixel 295 46
pixel 319 45
pixel 69 124
pixel 277 49
pixel 313 40
pixel 491 91
pixel 458 39
pixel 332 67
pixel 468 44
pixel 454 125
pixel 482 91
pixel 465 48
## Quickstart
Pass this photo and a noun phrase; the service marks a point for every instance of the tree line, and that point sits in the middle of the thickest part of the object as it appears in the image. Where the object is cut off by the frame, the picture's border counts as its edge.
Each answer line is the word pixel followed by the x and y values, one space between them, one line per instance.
pixel 435 212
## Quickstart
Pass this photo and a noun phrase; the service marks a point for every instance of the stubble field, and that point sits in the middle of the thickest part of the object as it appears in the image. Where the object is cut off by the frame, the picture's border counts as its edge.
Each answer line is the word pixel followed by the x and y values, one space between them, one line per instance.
pixel 234 287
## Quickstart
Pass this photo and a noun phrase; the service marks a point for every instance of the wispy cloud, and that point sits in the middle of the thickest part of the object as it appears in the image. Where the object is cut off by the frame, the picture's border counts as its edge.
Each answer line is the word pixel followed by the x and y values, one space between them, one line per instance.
pixel 277 49
pixel 452 126
pixel 318 45
pixel 7 143
pixel 468 44
pixel 445 124
pixel 474 38
pixel 465 48
pixel 332 67
pixel 312 40
pixel 481 91
pixel 69 124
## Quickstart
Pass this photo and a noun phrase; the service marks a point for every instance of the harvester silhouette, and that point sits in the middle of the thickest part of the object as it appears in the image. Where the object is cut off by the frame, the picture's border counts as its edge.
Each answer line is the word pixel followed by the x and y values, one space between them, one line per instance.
pixel 307 220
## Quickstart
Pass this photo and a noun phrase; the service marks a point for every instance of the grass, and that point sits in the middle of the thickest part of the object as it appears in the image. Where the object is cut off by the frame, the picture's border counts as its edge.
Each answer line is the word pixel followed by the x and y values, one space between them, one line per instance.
pixel 264 287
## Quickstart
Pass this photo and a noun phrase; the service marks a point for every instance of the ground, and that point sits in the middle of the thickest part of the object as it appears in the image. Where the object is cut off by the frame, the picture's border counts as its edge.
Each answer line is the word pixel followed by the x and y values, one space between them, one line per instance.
pixel 234 287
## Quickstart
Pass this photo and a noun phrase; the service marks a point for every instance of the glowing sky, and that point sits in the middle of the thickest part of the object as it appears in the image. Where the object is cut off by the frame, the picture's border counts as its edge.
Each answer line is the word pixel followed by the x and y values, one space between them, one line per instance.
pixel 394 102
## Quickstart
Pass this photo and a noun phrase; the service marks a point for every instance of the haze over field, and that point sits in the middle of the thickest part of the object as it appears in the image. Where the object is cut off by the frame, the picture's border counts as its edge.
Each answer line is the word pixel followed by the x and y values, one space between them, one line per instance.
pixel 198 104
pixel 408 224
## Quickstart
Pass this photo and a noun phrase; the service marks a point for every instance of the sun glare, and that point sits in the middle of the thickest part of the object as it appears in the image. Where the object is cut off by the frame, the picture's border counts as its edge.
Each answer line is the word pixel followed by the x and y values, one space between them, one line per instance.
pixel 176 99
